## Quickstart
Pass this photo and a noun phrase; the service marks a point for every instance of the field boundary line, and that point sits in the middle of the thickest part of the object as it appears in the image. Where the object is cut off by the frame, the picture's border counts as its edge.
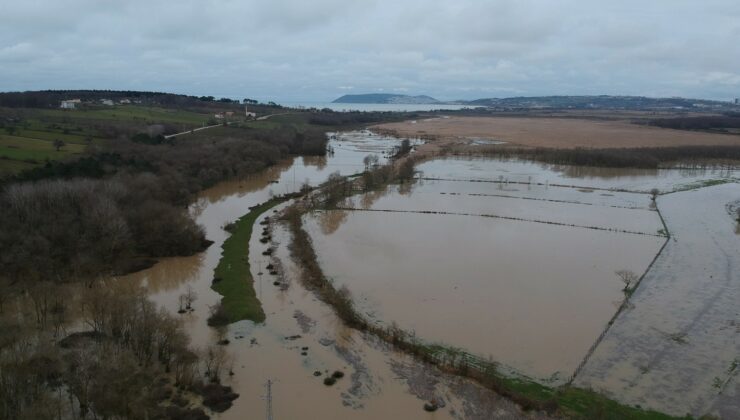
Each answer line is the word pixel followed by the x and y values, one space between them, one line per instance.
pixel 495 216
pixel 494 181
pixel 551 200
pixel 624 305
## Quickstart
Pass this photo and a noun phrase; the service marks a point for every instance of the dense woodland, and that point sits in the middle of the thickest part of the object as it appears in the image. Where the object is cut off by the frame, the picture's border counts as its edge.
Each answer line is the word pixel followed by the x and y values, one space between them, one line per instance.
pixel 131 360
pixel 129 196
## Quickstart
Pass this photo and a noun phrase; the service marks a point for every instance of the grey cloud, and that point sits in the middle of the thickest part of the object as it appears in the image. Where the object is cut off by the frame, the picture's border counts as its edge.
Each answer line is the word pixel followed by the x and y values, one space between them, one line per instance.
pixel 300 50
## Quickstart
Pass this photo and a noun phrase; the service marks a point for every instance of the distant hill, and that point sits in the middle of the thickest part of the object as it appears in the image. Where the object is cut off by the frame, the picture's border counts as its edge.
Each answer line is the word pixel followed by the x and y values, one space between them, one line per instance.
pixel 385 98
pixel 598 102
pixel 551 102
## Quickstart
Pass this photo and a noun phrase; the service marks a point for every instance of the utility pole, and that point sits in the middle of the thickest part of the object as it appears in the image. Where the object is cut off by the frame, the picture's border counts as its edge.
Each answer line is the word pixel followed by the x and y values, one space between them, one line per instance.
pixel 268 397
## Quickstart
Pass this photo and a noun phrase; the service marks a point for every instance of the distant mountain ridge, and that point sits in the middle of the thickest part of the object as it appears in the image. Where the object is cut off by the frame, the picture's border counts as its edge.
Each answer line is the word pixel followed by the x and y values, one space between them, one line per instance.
pixel 385 98
pixel 597 102
pixel 545 102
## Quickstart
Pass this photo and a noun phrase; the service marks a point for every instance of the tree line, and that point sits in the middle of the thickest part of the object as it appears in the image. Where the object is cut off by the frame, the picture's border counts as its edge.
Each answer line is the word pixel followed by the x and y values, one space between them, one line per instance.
pixel 714 123
pixel 642 157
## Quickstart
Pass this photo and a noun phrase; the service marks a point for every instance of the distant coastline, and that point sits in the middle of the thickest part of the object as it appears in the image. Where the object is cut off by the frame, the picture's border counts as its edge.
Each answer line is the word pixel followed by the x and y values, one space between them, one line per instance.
pixel 350 107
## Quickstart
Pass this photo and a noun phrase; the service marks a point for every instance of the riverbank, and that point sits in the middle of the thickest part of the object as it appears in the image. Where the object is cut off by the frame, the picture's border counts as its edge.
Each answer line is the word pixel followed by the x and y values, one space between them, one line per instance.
pixel 232 277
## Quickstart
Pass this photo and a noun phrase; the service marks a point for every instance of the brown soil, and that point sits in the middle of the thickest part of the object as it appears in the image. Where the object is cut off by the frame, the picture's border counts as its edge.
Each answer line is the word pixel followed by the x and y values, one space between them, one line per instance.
pixel 553 132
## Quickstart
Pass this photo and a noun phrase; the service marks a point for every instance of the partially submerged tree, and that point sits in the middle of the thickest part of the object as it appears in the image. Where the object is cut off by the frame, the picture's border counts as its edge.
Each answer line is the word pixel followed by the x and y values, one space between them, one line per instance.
pixel 186 299
pixel 629 278
pixel 406 170
pixel 370 161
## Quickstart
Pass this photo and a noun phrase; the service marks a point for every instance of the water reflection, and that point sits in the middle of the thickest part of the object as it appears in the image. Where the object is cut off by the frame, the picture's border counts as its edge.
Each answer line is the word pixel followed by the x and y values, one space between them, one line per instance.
pixel 247 184
pixel 571 171
pixel 317 161
pixel 172 273
pixel 368 199
pixel 329 221
pixel 518 171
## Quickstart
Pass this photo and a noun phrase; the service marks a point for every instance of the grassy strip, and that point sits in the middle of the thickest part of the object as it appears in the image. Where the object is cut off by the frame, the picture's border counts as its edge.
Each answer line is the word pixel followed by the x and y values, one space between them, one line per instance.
pixel 567 401
pixel 702 184
pixel 233 278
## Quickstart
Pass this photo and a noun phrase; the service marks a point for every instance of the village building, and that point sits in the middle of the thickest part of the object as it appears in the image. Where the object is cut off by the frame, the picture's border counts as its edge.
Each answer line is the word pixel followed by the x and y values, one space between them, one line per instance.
pixel 249 114
pixel 70 104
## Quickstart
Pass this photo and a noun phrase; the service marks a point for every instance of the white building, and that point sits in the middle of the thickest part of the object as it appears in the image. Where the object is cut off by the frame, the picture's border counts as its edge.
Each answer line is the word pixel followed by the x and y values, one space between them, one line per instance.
pixel 70 104
pixel 249 114
pixel 107 102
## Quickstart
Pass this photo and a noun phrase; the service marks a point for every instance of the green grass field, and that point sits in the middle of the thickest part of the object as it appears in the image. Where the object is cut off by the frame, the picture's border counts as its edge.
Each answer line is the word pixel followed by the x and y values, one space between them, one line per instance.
pixel 235 283
pixel 29 149
pixel 27 135
pixel 52 135
pixel 130 113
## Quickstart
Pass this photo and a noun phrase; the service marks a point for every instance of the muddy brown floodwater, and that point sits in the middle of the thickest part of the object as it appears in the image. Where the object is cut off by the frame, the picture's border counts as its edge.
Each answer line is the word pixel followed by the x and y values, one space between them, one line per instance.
pixel 532 295
pixel 301 335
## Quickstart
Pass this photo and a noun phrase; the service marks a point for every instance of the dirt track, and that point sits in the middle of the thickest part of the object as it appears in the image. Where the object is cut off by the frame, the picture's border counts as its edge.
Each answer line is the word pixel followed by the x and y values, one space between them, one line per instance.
pixel 556 132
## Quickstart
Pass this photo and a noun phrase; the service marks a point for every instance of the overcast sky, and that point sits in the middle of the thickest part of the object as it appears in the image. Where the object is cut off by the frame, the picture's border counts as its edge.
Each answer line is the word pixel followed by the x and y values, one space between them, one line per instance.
pixel 316 50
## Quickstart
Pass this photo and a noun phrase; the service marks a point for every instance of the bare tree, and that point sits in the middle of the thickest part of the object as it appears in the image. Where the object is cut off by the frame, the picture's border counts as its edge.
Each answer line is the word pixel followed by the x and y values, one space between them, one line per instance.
pixel 629 278
pixel 370 161
pixel 215 360
pixel 306 186
pixel 58 144
pixel 190 297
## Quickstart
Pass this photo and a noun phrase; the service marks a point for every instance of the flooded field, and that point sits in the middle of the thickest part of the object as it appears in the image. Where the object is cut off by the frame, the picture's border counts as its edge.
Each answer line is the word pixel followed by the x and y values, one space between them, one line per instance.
pixel 524 274
pixel 510 260
pixel 677 348
pixel 631 179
